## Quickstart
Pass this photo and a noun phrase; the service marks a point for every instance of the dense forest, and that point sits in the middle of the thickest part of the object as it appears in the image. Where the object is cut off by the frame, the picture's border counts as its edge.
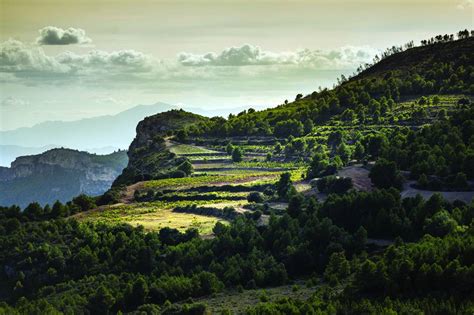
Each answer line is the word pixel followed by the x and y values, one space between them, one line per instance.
pixel 407 119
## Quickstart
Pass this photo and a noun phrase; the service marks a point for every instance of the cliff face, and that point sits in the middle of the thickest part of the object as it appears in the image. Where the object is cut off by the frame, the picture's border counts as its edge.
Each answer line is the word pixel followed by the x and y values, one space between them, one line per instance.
pixel 148 156
pixel 58 174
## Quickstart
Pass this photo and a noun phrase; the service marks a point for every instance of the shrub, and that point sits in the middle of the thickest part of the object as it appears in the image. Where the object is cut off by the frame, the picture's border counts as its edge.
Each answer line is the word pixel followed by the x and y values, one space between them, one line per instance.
pixel 334 184
pixel 385 174
pixel 255 197
pixel 237 155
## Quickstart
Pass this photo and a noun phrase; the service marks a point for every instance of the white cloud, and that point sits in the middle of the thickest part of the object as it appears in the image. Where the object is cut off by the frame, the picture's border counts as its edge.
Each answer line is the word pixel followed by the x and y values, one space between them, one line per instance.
pixel 52 35
pixel 237 56
pixel 13 102
pixel 465 4
pixel 16 56
pixel 27 64
pixel 29 60
pixel 124 59
pixel 248 55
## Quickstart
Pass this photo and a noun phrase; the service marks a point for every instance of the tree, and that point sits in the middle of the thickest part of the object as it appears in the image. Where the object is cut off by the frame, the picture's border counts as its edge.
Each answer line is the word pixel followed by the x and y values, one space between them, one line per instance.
pixel 182 135
pixel 360 238
pixel 460 181
pixel 308 126
pixel 84 202
pixel 423 181
pixel 284 185
pixel 440 224
pixel 101 301
pixel 384 174
pixel 295 205
pixel 237 155
pixel 33 211
pixel 337 269
pixel 336 138
pixel 138 292
pixel 59 210
pixel 359 151
pixel 278 147
pixel 377 144
pixel 186 167
pixel 289 127
pixel 255 197
pixel 318 166
pixel 344 152
pixel 229 148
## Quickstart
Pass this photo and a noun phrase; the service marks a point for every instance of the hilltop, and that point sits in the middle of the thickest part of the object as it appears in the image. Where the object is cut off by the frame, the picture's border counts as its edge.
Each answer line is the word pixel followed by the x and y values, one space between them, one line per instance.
pixel 422 59
pixel 148 156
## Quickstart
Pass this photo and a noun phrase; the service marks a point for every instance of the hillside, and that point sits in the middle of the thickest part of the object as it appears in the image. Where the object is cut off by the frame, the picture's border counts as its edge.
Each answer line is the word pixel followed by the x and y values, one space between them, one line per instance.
pixel 58 174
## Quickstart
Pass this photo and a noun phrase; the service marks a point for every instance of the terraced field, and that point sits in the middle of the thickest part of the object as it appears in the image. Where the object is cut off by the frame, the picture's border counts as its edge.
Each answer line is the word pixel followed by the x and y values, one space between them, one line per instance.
pixel 219 184
pixel 216 186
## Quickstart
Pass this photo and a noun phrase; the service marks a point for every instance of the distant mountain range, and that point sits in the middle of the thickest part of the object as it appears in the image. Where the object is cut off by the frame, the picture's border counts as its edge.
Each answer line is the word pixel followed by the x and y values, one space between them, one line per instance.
pixel 101 135
pixel 116 131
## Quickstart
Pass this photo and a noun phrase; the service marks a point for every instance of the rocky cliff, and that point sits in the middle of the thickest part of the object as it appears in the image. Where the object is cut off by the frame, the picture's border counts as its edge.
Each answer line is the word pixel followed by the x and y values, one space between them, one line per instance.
pixel 58 174
pixel 148 155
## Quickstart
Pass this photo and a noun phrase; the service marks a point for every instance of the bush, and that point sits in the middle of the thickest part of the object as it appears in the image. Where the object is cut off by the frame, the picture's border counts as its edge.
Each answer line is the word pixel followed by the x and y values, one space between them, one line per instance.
pixel 84 202
pixel 255 197
pixel 237 155
pixel 334 184
pixel 385 174
pixel 177 174
pixel 186 167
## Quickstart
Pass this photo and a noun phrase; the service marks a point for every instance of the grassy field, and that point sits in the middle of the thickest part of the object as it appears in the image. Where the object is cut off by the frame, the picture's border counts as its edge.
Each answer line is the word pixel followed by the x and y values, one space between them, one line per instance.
pixel 153 216
pixel 179 148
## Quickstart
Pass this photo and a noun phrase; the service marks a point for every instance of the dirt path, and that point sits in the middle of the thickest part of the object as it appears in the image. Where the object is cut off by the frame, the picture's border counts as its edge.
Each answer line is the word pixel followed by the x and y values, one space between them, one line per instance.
pixel 128 196
pixel 359 175
pixel 450 196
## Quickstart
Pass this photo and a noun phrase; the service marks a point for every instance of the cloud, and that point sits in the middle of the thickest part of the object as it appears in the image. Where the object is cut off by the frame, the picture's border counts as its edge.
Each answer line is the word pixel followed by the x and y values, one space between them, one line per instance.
pixel 30 60
pixel 16 56
pixel 52 35
pixel 465 4
pixel 237 56
pixel 248 55
pixel 13 102
pixel 125 59
pixel 245 66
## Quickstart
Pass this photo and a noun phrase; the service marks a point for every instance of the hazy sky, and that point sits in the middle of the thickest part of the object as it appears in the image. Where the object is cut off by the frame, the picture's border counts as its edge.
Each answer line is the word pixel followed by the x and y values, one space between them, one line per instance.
pixel 65 59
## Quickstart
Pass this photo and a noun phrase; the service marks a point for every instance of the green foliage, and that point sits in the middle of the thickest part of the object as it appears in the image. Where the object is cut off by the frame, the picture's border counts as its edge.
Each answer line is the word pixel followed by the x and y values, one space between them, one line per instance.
pixel 186 167
pixel 384 174
pixel 229 148
pixel 237 155
pixel 333 184
pixel 284 185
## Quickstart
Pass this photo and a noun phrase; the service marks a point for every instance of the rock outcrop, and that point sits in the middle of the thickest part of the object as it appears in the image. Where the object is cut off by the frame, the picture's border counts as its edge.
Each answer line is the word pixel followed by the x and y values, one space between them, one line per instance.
pixel 58 174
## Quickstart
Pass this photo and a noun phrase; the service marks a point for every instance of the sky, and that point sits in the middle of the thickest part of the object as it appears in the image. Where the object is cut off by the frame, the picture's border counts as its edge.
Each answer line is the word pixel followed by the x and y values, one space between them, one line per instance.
pixel 72 59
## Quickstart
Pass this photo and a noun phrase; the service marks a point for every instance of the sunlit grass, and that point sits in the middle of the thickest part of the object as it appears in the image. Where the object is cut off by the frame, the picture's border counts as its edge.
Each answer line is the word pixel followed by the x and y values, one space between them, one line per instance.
pixel 154 215
pixel 179 148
